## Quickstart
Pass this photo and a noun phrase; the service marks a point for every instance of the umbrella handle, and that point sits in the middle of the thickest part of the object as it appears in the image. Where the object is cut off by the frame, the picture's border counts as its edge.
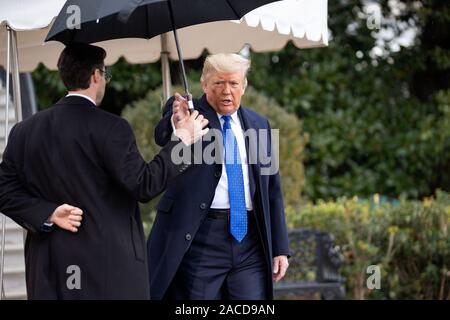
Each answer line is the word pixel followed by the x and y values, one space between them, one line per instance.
pixel 188 97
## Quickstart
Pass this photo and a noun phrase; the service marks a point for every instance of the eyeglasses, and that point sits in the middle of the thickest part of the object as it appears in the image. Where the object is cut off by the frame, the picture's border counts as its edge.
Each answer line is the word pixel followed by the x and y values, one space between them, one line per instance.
pixel 108 75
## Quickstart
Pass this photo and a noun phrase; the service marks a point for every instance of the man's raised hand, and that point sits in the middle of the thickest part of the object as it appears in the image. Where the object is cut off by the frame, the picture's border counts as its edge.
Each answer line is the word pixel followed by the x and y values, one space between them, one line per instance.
pixel 189 127
pixel 180 109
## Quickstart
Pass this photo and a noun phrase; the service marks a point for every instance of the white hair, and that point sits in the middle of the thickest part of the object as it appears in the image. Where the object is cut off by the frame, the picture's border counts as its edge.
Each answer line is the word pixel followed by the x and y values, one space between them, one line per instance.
pixel 225 62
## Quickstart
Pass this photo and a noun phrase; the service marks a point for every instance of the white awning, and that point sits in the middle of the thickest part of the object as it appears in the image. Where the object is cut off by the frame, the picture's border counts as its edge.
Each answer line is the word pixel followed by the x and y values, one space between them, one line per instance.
pixel 267 28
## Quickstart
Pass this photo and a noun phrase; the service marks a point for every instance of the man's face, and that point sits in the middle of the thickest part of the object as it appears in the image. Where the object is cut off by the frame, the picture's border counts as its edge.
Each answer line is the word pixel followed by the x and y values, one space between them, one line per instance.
pixel 224 91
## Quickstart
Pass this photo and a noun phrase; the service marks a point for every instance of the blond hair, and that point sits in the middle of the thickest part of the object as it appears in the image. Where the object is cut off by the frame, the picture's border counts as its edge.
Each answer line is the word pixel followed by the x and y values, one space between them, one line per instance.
pixel 225 62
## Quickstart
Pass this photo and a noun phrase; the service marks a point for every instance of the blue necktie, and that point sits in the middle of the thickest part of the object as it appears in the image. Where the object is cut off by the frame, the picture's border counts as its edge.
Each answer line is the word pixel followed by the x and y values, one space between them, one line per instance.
pixel 233 167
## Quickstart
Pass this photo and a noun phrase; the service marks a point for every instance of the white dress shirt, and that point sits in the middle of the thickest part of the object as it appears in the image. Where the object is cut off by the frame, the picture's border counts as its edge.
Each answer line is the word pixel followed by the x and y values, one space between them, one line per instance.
pixel 221 199
pixel 81 95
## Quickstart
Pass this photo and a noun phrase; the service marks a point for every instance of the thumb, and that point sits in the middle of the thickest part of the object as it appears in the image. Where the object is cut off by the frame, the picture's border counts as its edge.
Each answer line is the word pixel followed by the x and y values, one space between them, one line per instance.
pixel 62 208
pixel 68 207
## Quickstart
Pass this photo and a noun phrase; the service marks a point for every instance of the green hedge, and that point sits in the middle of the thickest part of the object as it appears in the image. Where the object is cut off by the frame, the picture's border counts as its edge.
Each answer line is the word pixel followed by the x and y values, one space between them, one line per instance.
pixel 409 241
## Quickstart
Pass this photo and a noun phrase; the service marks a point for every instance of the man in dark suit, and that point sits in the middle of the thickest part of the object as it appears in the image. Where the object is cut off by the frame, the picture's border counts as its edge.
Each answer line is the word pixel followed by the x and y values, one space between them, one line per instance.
pixel 79 154
pixel 220 231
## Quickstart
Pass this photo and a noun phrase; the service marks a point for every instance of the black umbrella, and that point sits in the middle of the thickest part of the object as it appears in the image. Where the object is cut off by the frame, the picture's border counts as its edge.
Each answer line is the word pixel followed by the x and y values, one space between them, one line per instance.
pixel 102 20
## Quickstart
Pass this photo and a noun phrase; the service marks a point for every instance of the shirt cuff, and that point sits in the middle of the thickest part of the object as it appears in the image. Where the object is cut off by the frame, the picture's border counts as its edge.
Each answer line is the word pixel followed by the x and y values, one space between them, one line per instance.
pixel 47 226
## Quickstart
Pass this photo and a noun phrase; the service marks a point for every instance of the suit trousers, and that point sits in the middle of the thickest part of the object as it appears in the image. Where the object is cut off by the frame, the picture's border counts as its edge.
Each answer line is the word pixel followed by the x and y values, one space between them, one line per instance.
pixel 217 266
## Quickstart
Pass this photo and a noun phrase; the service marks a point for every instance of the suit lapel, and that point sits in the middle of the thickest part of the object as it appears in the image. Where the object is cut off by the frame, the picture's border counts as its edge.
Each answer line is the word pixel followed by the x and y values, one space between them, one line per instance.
pixel 215 128
pixel 248 122
pixel 209 113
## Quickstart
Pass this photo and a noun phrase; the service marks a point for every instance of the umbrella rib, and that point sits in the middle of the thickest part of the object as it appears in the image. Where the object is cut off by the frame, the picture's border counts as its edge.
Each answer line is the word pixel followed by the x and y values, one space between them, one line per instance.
pixel 232 8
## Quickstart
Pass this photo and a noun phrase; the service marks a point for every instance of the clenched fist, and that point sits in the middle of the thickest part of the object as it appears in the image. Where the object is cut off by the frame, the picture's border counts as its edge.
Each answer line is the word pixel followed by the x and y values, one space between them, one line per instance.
pixel 189 127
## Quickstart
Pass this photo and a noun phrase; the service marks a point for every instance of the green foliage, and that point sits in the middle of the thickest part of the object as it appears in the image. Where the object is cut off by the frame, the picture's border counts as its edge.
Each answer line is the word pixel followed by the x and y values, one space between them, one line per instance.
pixel 292 143
pixel 377 123
pixel 410 242
pixel 130 82
pixel 48 87
pixel 144 114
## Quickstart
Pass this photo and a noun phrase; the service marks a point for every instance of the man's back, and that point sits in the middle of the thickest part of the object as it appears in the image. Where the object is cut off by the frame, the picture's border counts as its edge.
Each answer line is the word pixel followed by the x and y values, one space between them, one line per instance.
pixel 62 155
pixel 68 154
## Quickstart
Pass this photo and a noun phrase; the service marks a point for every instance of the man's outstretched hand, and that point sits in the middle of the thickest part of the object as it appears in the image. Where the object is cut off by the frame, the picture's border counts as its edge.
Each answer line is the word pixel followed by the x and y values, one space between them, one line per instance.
pixel 67 217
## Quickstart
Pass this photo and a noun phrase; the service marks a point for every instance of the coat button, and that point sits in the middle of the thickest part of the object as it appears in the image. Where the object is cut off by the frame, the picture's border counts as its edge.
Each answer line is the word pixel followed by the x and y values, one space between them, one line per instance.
pixel 217 174
pixel 188 237
pixel 202 205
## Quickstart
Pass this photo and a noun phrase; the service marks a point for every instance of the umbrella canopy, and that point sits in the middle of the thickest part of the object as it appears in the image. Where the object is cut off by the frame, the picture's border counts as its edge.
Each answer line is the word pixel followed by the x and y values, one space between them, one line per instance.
pixel 268 28
pixel 115 19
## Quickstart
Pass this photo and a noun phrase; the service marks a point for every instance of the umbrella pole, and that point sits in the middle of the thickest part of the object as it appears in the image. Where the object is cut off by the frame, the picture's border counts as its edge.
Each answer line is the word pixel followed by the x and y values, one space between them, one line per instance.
pixel 165 68
pixel 180 58
pixel 12 67
pixel 3 217
pixel 17 92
